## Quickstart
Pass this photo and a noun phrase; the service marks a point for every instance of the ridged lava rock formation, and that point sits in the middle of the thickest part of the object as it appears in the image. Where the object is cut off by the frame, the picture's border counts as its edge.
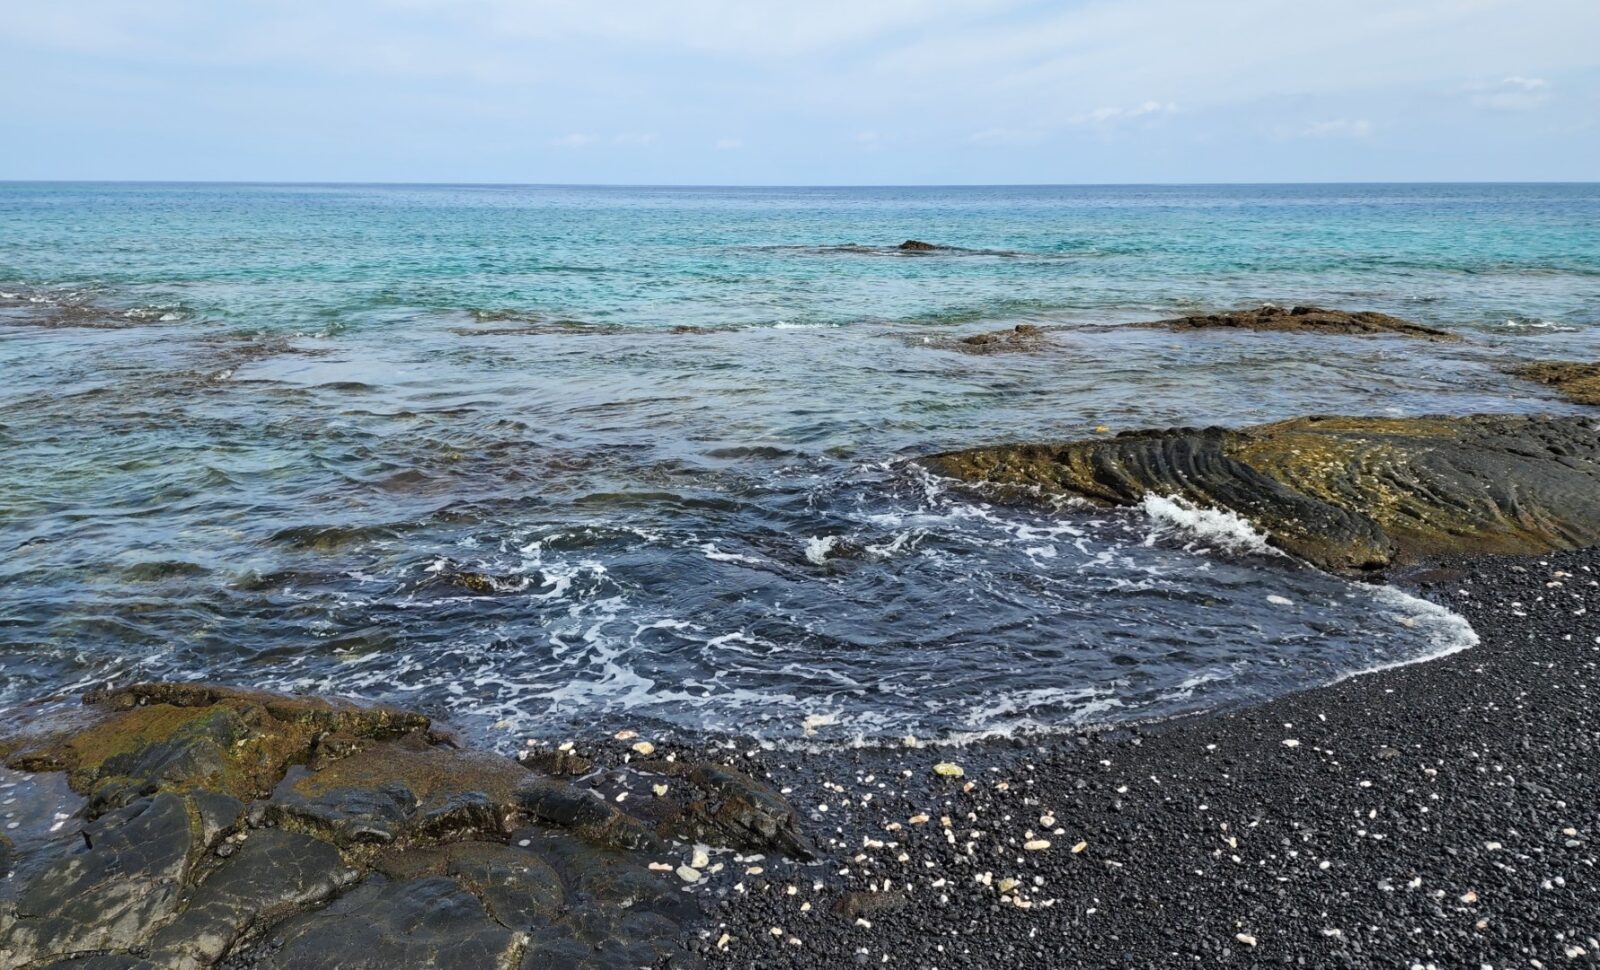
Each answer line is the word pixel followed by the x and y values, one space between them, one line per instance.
pixel 1346 494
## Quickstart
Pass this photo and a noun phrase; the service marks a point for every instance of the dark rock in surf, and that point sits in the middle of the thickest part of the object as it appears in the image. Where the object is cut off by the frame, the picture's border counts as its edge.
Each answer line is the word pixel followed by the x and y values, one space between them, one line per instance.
pixel 1346 494
pixel 1576 381
pixel 1022 338
pixel 1302 319
pixel 917 246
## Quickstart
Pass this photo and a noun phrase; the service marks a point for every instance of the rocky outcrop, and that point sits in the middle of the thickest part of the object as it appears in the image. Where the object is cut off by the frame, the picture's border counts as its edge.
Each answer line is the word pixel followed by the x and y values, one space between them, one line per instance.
pixel 222 827
pixel 1346 494
pixel 1576 381
pixel 917 246
pixel 1302 319
pixel 1022 338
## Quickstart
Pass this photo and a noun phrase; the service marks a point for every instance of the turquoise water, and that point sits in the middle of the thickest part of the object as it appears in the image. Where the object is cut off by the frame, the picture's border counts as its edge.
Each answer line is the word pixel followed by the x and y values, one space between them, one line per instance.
pixel 543 455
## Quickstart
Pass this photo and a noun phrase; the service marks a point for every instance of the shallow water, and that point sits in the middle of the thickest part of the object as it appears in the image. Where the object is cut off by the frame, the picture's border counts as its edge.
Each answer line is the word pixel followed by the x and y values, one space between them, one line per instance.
pixel 443 445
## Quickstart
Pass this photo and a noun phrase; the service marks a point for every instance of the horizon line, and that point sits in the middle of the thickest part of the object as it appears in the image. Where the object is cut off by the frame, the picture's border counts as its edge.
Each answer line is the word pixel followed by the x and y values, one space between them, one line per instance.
pixel 782 185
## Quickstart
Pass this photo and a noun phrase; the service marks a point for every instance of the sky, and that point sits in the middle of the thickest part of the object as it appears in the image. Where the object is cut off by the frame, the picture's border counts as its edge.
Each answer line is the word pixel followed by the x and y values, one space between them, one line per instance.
pixel 813 92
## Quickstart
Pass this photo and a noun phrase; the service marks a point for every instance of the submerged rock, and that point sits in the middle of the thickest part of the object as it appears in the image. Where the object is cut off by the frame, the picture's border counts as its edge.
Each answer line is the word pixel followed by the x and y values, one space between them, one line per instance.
pixel 917 246
pixel 227 827
pixel 1574 380
pixel 1347 494
pixel 1303 319
pixel 1022 338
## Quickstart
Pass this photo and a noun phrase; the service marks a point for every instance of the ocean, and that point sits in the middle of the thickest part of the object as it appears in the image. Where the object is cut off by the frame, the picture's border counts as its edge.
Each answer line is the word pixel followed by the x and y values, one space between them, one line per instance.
pixel 541 458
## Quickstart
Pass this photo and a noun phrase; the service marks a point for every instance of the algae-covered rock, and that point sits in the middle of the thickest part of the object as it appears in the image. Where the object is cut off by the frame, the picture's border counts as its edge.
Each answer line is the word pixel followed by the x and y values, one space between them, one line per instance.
pixel 1343 493
pixel 370 840
pixel 1576 381
pixel 1022 338
pixel 1302 319
pixel 138 740
pixel 402 789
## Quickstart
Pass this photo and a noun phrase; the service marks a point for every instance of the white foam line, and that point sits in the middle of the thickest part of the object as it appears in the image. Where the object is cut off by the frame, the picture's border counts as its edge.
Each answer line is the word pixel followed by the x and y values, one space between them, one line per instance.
pixel 1449 631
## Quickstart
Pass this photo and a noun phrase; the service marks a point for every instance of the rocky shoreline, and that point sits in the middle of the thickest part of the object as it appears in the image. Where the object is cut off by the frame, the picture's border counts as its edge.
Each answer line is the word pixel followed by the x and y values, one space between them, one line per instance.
pixel 1440 814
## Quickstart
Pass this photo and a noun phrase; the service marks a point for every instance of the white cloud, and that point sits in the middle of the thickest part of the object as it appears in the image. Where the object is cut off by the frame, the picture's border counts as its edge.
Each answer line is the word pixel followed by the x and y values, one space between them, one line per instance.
pixel 575 140
pixel 1515 93
pixel 1337 128
pixel 1103 115
pixel 1007 136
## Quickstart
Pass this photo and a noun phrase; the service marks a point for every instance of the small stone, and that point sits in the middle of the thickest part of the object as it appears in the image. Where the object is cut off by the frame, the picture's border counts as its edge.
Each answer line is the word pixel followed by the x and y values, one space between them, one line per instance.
pixel 722 941
pixel 1037 845
pixel 660 867
pixel 688 875
pixel 1469 897
pixel 660 790
pixel 1245 938
pixel 645 748
pixel 948 769
pixel 701 857
pixel 626 734
pixel 1290 743
pixel 1006 885
pixel 1079 847
pixel 918 820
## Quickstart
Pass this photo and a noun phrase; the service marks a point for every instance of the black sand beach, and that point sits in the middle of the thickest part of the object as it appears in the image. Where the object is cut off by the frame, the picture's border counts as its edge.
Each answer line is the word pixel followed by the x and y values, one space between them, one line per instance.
pixel 1435 815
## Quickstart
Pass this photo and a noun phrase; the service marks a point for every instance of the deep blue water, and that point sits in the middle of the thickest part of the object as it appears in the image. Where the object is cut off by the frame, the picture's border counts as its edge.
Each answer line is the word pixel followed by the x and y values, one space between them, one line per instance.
pixel 264 433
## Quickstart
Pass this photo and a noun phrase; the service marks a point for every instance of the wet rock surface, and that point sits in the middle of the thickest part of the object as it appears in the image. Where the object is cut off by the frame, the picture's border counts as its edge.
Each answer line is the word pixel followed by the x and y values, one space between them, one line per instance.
pixel 1347 494
pixel 237 828
pixel 1022 338
pixel 1576 381
pixel 1302 319
pixel 1443 814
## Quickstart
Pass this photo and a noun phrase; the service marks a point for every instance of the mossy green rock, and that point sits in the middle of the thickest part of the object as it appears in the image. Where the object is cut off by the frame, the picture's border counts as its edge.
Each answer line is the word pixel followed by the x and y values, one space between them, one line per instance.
pixel 229 827
pixel 1348 494
pixel 1576 381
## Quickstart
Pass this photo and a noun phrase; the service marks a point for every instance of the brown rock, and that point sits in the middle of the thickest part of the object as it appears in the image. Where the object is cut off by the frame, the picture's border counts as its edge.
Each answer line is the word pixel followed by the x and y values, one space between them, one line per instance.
pixel 1576 381
pixel 1302 319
